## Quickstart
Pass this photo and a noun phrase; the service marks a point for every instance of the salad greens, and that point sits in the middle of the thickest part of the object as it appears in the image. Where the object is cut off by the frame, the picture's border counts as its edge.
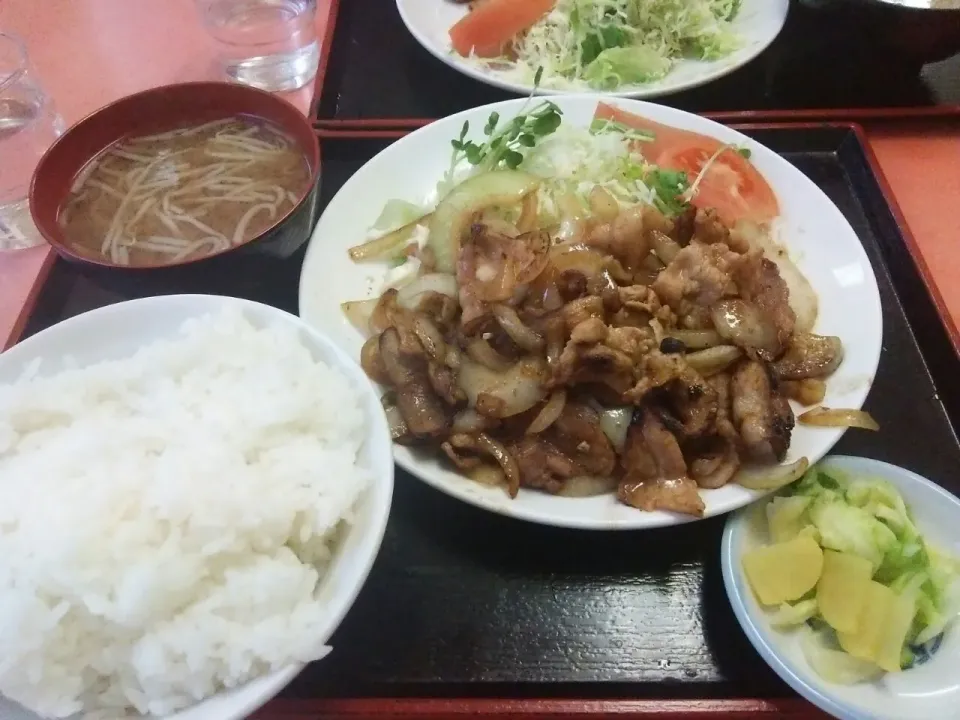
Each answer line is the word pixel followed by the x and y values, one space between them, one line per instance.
pixel 604 44
pixel 866 521
pixel 570 161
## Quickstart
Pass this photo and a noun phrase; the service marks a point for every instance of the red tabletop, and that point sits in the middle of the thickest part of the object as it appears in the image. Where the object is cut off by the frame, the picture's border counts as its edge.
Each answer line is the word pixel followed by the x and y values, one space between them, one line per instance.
pixel 88 53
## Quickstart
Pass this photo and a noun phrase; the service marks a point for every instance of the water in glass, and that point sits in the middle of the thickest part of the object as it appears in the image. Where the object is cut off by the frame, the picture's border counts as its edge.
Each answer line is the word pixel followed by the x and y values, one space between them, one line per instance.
pixel 28 126
pixel 269 44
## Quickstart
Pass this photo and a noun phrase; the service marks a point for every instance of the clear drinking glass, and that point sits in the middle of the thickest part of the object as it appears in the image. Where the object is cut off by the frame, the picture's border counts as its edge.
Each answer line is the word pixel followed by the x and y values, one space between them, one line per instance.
pixel 28 126
pixel 269 44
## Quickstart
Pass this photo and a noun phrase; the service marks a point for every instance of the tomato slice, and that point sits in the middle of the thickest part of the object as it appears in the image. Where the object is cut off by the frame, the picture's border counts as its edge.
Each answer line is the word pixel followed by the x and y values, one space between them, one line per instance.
pixel 491 25
pixel 732 185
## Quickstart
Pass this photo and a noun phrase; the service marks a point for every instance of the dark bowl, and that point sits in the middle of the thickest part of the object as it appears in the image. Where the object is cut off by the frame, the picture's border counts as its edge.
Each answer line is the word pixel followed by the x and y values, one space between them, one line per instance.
pixel 158 110
pixel 915 31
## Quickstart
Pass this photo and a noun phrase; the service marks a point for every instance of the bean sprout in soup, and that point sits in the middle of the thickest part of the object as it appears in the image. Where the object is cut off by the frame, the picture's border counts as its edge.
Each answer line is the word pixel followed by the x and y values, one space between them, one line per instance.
pixel 184 194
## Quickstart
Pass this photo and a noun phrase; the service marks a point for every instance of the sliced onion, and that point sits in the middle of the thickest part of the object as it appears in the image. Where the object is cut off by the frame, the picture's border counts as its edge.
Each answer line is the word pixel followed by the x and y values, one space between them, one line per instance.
pixel 481 351
pixel 518 389
pixel 497 224
pixel 359 312
pixel 770 477
pixel 742 323
pixel 491 475
pixel 552 299
pixel 696 339
pixel 843 418
pixel 507 462
pixel 513 326
pixel 430 337
pixel 579 258
pixel 603 204
pixel 548 413
pixel 409 295
pixel 529 211
pixel 385 246
pixel 665 248
pixel 806 392
pixel 615 422
pixel 469 421
pixel 713 360
pixel 587 486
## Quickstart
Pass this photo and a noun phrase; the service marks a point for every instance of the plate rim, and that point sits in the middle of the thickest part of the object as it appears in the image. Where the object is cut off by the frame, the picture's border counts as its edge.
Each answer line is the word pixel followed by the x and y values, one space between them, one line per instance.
pixel 651 520
pixel 758 636
pixel 636 92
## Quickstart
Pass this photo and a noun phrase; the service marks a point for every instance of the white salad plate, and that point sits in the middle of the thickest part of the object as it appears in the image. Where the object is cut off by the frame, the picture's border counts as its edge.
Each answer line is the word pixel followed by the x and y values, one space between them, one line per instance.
pixel 818 237
pixel 118 331
pixel 757 23
pixel 928 690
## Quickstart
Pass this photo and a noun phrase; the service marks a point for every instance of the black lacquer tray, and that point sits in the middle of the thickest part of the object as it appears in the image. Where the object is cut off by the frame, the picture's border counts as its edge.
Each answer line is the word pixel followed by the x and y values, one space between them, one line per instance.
pixel 466 604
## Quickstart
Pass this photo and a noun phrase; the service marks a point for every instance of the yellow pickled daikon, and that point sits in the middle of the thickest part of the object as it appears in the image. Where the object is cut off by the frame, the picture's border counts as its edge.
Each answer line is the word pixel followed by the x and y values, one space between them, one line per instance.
pixel 785 571
pixel 842 589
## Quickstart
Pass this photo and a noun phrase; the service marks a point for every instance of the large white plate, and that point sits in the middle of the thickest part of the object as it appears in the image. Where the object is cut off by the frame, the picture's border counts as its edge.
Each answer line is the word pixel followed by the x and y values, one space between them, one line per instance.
pixel 821 241
pixel 758 23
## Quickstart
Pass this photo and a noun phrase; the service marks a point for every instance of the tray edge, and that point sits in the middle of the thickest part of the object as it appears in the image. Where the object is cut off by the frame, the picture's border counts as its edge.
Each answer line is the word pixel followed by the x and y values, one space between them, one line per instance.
pixel 536 709
pixel 860 115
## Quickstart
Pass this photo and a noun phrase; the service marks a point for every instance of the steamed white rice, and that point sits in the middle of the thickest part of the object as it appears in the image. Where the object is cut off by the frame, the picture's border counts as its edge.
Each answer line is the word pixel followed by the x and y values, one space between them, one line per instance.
pixel 165 519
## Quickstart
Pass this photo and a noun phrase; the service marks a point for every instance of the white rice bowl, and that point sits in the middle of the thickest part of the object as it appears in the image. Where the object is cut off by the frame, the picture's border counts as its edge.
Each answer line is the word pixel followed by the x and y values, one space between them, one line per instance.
pixel 182 520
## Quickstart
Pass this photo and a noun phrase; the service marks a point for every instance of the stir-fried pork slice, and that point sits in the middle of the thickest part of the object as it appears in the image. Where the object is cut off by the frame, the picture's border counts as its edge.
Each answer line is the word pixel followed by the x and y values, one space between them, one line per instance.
pixel 585 359
pixel 810 356
pixel 583 309
pixel 709 230
pixel 633 342
pixel 689 397
pixel 493 268
pixel 444 383
pixel 697 277
pixel 592 330
pixel 724 424
pixel 384 312
pixel 636 305
pixel 655 473
pixel 762 415
pixel 423 412
pixel 578 435
pixel 543 466
pixel 759 282
pixel 573 446
pixel 625 238
pixel 744 324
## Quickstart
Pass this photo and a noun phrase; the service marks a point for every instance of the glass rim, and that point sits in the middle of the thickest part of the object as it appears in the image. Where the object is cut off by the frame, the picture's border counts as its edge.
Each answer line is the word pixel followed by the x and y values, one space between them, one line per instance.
pixel 21 50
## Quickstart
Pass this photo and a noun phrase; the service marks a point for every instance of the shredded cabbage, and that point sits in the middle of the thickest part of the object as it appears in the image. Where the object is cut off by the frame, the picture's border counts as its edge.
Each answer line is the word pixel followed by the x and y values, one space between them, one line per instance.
pixel 604 44
pixel 575 160
pixel 830 662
